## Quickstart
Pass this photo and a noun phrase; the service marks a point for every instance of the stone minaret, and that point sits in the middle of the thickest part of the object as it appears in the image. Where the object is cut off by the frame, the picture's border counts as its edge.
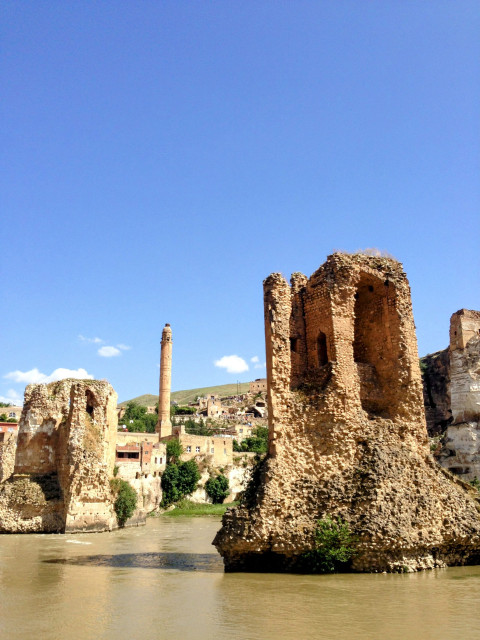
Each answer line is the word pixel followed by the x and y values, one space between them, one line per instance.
pixel 164 425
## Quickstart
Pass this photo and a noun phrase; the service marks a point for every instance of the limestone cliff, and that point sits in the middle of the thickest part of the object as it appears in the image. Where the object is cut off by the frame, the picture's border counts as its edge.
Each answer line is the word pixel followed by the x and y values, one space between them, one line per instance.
pixel 64 460
pixel 436 391
pixel 347 430
pixel 461 451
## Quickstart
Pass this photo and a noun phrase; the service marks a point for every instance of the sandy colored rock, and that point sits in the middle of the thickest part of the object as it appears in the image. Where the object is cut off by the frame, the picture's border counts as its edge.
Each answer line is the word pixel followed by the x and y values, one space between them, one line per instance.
pixel 347 430
pixel 64 460
pixel 8 446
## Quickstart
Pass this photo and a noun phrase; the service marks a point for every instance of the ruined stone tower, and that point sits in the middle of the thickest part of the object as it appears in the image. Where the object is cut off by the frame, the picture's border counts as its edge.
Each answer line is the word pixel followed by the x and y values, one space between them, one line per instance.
pixel 347 434
pixel 64 460
pixel 164 425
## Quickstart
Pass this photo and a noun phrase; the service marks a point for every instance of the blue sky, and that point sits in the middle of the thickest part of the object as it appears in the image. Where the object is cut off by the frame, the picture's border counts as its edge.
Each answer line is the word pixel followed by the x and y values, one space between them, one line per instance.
pixel 160 159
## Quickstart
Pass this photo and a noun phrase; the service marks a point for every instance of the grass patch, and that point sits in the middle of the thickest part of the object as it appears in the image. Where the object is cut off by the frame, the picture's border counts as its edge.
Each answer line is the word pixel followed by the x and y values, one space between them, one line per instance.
pixel 188 508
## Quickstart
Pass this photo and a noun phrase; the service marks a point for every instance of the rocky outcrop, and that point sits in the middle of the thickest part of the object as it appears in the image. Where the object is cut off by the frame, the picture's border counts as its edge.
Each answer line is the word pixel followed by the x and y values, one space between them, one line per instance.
pixel 64 460
pixel 347 431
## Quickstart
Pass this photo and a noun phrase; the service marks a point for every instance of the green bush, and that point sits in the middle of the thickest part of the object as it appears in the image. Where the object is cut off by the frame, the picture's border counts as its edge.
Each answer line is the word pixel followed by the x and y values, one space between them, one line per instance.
pixel 475 483
pixel 125 502
pixel 178 480
pixel 334 547
pixel 217 488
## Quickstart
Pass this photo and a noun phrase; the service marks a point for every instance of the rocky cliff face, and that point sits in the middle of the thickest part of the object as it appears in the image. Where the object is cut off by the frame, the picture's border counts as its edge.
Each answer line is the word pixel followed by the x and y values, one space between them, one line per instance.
pixel 436 391
pixel 461 451
pixel 64 460
pixel 347 431
pixel 451 389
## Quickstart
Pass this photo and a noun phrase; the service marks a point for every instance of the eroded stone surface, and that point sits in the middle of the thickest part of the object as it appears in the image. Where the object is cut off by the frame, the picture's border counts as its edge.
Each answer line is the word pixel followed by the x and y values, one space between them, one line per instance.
pixel 8 446
pixel 347 430
pixel 64 460
pixel 461 451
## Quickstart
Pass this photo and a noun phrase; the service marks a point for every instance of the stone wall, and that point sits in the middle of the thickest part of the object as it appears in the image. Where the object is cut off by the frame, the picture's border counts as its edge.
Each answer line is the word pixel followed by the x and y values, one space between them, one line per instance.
pixel 347 434
pixel 64 460
pixel 8 446
pixel 218 448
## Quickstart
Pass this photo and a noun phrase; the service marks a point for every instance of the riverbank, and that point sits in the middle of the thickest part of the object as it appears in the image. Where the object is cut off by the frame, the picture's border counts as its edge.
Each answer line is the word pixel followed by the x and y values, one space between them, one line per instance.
pixel 188 508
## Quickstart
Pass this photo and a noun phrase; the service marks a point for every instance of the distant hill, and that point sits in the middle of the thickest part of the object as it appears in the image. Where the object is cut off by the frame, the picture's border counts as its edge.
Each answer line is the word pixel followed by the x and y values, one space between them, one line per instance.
pixel 189 395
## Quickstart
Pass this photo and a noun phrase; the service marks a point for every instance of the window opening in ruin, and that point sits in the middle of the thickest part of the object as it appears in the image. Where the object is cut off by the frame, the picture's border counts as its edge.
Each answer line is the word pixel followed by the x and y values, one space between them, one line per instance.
pixel 375 345
pixel 322 349
pixel 293 345
pixel 90 402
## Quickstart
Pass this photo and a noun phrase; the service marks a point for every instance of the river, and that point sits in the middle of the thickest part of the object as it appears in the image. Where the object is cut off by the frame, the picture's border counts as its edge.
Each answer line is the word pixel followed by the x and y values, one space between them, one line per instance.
pixel 165 580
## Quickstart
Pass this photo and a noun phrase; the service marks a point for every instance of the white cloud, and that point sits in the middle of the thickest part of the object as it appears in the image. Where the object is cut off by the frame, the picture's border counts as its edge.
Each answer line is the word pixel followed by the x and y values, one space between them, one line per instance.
pixel 233 364
pixel 255 359
pixel 36 376
pixel 123 347
pixel 94 340
pixel 260 365
pixel 12 397
pixel 109 352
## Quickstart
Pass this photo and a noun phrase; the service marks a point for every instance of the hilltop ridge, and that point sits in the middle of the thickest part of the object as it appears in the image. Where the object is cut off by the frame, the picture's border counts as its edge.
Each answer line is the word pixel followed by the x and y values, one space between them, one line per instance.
pixel 188 395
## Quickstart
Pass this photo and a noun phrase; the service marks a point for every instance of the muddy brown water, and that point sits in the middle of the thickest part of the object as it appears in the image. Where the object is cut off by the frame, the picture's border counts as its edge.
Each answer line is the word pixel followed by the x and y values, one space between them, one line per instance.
pixel 165 580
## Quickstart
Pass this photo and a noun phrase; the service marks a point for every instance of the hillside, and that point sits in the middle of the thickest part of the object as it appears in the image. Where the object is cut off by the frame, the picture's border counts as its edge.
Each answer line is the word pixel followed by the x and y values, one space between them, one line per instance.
pixel 189 395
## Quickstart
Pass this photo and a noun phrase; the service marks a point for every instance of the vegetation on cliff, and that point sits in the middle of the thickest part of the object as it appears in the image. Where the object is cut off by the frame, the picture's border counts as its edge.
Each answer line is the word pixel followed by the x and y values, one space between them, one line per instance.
pixel 334 547
pixel 125 501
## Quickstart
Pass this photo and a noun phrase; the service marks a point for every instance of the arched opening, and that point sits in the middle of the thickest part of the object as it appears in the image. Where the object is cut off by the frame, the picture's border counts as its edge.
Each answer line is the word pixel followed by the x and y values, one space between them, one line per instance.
pixel 322 352
pixel 90 401
pixel 375 346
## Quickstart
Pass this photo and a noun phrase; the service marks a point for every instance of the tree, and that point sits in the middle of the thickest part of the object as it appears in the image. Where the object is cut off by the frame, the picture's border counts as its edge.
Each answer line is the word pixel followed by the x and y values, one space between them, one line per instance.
pixel 197 428
pixel 137 420
pixel 125 501
pixel 171 492
pixel 134 411
pixel 178 480
pixel 188 476
pixel 176 410
pixel 174 451
pixel 217 488
pixel 257 442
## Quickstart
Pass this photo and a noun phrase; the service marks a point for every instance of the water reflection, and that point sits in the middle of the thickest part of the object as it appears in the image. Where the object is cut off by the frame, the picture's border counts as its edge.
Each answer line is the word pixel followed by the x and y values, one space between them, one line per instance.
pixel 176 561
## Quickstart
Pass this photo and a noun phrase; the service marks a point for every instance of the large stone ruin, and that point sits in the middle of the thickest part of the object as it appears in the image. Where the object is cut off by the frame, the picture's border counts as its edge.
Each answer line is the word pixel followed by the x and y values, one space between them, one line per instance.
pixel 64 460
pixel 347 431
